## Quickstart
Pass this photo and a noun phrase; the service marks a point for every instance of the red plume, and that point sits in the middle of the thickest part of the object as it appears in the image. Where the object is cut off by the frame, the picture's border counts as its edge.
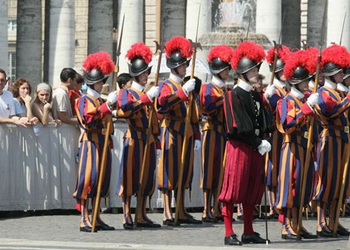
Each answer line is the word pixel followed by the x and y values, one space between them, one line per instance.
pixel 283 54
pixel 335 54
pixel 141 50
pixel 178 43
pixel 296 59
pixel 251 50
pixel 100 60
pixel 223 52
pixel 311 64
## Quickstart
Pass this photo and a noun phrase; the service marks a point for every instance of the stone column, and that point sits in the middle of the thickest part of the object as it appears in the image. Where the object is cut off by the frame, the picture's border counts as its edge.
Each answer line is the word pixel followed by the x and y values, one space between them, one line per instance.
pixel 29 41
pixel 133 28
pixel 314 21
pixel 335 16
pixel 269 18
pixel 4 64
pixel 291 25
pixel 62 38
pixel 173 21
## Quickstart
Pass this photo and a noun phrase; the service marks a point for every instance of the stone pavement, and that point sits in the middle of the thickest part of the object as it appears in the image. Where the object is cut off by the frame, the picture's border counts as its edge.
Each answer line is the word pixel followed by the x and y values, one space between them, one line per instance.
pixel 62 232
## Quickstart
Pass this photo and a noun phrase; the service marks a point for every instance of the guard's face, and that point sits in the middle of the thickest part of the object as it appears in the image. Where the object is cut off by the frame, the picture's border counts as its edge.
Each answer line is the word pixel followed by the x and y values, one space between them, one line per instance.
pixel 339 77
pixel 143 78
pixel 224 74
pixel 347 82
pixel 253 74
pixel 303 86
pixel 98 86
pixel 182 70
pixel 44 95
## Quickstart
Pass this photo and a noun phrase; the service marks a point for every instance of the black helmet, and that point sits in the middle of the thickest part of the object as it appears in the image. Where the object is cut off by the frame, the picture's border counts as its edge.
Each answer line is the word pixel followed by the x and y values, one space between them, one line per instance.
pixel 217 65
pixel 246 64
pixel 137 66
pixel 300 74
pixel 330 69
pixel 279 65
pixel 95 76
pixel 175 60
pixel 346 73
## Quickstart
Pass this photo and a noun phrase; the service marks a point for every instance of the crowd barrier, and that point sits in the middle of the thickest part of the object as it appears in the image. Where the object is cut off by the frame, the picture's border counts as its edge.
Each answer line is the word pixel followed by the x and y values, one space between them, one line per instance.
pixel 39 172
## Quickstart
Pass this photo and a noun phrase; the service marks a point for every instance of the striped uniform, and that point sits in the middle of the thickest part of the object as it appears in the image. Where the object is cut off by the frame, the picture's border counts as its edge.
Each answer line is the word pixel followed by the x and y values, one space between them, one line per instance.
pixel 171 104
pixel 331 111
pixel 275 140
pixel 92 119
pixel 213 145
pixel 292 122
pixel 132 106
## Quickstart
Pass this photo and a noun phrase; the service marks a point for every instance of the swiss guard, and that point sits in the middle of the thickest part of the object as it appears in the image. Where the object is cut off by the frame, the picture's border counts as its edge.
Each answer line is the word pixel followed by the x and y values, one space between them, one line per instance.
pixel 291 117
pixel 172 104
pixel 332 111
pixel 93 115
pixel 133 104
pixel 248 127
pixel 214 136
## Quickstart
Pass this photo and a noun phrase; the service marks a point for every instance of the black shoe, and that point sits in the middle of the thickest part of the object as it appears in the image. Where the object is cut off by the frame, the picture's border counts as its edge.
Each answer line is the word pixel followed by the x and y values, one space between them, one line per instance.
pixel 289 237
pixel 87 229
pixel 220 218
pixel 343 231
pixel 189 220
pixel 169 222
pixel 306 235
pixel 252 238
pixel 128 226
pixel 148 224
pixel 208 220
pixel 239 217
pixel 104 227
pixel 324 234
pixel 232 240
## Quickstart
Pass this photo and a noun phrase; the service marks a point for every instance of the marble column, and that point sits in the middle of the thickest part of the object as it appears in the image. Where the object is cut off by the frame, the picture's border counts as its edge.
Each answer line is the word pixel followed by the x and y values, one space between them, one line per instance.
pixel 4 36
pixel 173 21
pixel 335 16
pixel 314 21
pixel 62 38
pixel 269 18
pixel 29 41
pixel 291 25
pixel 133 28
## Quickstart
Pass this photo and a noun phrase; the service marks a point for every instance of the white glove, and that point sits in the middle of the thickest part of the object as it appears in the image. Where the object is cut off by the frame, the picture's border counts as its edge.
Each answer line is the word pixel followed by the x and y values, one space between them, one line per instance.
pixel 313 99
pixel 269 91
pixel 264 147
pixel 153 92
pixel 189 85
pixel 197 145
pixel 159 153
pixel 112 97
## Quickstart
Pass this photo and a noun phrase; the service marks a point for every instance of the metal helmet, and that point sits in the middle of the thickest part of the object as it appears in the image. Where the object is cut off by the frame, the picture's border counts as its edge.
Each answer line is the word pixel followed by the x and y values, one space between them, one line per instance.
pixel 279 65
pixel 95 76
pixel 176 59
pixel 217 65
pixel 138 66
pixel 300 75
pixel 97 67
pixel 246 64
pixel 346 73
pixel 330 69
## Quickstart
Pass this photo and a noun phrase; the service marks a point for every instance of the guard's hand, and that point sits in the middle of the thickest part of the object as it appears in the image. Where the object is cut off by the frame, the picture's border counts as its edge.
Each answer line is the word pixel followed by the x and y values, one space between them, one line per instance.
pixel 270 90
pixel 153 92
pixel 189 85
pixel 112 97
pixel 197 145
pixel 313 99
pixel 264 147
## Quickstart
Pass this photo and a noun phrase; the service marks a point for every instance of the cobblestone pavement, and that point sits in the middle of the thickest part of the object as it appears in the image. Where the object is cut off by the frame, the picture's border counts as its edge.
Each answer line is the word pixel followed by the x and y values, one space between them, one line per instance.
pixel 62 232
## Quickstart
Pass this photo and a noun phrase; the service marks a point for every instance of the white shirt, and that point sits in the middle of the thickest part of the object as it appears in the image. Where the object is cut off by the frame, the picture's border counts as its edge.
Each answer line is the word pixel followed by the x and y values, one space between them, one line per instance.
pixel 297 93
pixel 330 84
pixel 136 85
pixel 245 86
pixel 342 87
pixel 278 83
pixel 175 78
pixel 218 82
pixel 61 102
pixel 7 106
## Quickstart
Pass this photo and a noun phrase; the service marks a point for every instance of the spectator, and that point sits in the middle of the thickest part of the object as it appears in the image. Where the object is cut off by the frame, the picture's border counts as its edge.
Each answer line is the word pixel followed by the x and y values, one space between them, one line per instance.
pixel 41 105
pixel 76 92
pixel 61 107
pixel 21 92
pixel 7 106
pixel 124 81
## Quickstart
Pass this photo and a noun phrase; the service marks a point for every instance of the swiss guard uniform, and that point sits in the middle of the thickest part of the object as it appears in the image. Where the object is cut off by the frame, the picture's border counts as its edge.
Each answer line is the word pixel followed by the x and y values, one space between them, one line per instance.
pixel 93 115
pixel 172 104
pixel 214 136
pixel 132 104
pixel 277 91
pixel 248 128
pixel 332 112
pixel 291 118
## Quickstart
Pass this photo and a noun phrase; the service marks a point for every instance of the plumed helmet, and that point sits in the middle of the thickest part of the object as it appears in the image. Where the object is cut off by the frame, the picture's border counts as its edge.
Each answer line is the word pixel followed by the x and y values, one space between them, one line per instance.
pixel 346 73
pixel 282 55
pixel 97 67
pixel 334 59
pixel 177 50
pixel 219 58
pixel 297 68
pixel 247 56
pixel 139 57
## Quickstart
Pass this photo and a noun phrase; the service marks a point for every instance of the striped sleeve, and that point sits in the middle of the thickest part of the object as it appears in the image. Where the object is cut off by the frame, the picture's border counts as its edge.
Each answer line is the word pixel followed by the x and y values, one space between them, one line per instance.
pixel 128 105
